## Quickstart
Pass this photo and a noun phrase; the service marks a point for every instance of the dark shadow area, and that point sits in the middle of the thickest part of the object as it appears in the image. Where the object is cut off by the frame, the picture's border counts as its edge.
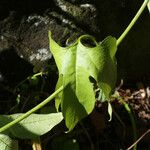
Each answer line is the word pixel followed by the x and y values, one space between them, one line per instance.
pixel 24 7
pixel 13 69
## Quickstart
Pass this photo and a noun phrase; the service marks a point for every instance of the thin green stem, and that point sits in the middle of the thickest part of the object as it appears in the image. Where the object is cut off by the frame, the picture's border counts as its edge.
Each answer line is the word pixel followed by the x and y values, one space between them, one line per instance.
pixel 47 100
pixel 132 22
pixel 35 75
pixel 126 106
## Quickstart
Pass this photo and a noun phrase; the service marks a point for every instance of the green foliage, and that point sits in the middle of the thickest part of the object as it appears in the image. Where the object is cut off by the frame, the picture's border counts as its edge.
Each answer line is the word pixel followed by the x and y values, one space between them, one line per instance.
pixel 33 126
pixel 77 64
pixel 6 143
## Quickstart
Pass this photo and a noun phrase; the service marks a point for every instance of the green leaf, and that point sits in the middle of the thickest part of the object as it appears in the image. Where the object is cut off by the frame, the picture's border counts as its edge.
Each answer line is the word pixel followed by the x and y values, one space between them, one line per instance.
pixel 58 53
pixel 58 97
pixel 76 64
pixel 6 143
pixel 108 73
pixel 33 126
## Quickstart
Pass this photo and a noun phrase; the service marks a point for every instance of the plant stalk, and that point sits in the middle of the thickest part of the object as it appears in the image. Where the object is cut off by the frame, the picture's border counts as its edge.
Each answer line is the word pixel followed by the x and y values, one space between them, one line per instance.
pixel 126 106
pixel 132 22
pixel 47 100
pixel 36 144
pixel 35 75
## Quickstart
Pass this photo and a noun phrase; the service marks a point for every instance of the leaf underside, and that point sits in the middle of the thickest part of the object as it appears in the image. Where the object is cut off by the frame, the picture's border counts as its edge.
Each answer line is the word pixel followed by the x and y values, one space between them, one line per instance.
pixel 6 143
pixel 33 126
pixel 76 64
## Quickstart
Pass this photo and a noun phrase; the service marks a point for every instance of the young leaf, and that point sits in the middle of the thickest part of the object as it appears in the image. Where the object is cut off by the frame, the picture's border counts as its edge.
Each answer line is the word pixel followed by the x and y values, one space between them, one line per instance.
pixel 76 64
pixel 6 143
pixel 33 126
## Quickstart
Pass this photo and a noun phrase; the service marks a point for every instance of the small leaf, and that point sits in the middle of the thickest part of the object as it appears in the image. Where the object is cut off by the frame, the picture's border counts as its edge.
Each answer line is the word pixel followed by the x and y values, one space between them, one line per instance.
pixel 33 126
pixel 34 81
pixel 110 111
pixel 6 143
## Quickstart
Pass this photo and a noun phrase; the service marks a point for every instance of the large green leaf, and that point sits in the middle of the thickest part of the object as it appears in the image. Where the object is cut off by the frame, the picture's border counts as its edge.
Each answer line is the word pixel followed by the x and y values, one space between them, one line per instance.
pixel 6 143
pixel 33 126
pixel 76 64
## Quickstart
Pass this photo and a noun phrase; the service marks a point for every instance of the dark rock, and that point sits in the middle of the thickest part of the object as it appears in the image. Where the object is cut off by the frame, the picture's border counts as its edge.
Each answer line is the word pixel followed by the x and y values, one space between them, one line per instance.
pixel 28 35
pixel 26 32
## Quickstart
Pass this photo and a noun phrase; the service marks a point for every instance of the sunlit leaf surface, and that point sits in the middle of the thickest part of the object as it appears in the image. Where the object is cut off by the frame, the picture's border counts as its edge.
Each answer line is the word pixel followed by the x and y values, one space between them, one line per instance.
pixel 77 64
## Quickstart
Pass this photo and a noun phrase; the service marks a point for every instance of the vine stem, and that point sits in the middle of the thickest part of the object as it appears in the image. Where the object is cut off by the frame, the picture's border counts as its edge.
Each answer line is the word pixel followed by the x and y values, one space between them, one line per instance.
pixel 132 22
pixel 140 138
pixel 47 100
pixel 35 75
